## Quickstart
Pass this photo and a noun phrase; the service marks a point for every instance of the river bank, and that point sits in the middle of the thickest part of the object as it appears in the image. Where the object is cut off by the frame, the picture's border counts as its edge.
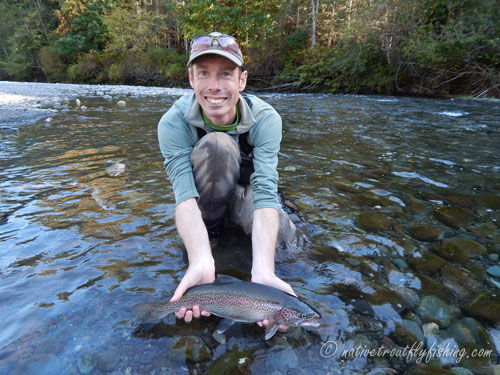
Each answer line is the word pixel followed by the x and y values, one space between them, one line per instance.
pixel 27 102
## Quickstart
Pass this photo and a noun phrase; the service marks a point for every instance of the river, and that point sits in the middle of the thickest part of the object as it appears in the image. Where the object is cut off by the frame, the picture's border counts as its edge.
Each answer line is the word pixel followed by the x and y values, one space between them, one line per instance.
pixel 401 196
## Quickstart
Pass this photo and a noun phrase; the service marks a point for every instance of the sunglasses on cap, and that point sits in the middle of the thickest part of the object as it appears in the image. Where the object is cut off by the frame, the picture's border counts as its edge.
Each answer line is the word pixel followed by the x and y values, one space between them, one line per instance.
pixel 215 40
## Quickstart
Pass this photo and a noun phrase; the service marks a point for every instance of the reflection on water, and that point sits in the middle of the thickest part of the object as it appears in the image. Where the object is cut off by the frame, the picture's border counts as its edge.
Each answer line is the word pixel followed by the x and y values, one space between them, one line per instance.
pixel 401 196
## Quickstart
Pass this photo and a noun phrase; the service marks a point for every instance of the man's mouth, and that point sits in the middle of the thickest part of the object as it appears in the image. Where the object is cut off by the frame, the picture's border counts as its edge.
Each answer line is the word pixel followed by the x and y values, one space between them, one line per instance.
pixel 214 100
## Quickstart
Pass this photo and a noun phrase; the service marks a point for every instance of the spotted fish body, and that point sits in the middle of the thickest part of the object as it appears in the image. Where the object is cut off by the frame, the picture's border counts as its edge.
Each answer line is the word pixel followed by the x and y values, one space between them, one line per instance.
pixel 239 301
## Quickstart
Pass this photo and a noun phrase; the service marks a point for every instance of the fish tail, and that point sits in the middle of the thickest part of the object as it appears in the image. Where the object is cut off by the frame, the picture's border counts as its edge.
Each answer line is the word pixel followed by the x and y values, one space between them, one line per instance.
pixel 151 312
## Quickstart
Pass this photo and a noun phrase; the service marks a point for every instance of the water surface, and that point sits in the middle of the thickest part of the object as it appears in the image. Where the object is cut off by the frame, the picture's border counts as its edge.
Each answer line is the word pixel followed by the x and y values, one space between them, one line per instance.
pixel 88 230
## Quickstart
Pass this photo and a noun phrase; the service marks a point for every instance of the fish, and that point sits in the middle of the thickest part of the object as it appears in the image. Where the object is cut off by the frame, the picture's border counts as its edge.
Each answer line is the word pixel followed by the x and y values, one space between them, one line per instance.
pixel 237 301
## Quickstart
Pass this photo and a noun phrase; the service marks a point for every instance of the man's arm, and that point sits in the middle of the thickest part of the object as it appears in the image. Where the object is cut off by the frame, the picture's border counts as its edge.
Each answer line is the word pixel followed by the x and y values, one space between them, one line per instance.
pixel 201 267
pixel 264 235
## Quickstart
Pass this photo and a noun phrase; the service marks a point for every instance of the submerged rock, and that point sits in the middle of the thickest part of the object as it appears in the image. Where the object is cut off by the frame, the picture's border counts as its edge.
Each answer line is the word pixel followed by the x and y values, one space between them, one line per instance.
pixel 461 371
pixel 427 370
pixel 453 216
pixel 489 200
pixel 40 364
pixel 494 271
pixel 485 306
pixel 460 281
pixel 480 365
pixel 107 360
pixel 373 221
pixel 428 264
pixel 425 232
pixel 430 329
pixel 460 249
pixel 192 348
pixel 433 309
pixel 407 332
pixel 87 361
pixel 460 333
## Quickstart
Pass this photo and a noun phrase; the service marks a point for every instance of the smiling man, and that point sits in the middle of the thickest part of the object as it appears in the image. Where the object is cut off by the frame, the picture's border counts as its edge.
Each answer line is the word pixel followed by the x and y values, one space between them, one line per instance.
pixel 221 152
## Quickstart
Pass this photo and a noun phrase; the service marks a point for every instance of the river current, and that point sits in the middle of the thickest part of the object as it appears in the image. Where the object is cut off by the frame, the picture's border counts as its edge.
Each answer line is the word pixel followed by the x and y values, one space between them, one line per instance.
pixel 401 196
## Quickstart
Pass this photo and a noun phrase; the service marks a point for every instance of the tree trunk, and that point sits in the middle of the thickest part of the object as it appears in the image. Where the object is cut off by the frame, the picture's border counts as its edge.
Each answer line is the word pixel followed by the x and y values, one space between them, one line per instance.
pixel 315 7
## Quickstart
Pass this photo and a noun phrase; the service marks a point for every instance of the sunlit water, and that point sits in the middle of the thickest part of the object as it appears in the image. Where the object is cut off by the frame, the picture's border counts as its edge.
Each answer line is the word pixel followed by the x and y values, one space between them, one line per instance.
pixel 80 241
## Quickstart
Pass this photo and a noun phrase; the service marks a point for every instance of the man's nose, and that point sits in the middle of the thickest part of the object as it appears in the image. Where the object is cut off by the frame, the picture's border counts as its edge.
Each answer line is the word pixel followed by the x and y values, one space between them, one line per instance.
pixel 215 83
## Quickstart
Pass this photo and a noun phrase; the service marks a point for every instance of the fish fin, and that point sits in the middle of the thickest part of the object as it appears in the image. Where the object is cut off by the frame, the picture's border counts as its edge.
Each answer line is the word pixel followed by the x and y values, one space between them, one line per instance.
pixel 271 329
pixel 224 325
pixel 149 312
pixel 221 279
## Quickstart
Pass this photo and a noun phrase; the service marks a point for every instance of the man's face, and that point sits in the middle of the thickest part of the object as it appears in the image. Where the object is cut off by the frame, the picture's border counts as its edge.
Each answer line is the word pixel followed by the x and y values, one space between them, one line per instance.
pixel 217 82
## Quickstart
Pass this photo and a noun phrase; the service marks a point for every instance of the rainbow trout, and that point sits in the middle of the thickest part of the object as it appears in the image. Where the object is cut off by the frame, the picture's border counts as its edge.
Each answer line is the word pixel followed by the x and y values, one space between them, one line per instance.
pixel 239 301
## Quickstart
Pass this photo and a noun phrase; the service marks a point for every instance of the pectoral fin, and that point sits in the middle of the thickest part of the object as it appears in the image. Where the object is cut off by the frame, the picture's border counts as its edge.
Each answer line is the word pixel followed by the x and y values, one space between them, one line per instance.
pixel 224 325
pixel 271 329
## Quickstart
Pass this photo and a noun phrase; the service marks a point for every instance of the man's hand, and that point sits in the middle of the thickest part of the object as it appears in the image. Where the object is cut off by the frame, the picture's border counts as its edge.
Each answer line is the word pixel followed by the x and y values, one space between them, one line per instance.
pixel 202 272
pixel 275 282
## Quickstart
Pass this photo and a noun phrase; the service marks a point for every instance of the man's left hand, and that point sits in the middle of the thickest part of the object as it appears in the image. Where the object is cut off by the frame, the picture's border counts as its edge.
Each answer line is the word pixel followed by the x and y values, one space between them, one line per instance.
pixel 275 282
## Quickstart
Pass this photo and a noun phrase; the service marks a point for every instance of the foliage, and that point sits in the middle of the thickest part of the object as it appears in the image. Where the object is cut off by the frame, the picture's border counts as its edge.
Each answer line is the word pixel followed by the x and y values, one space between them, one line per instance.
pixel 429 47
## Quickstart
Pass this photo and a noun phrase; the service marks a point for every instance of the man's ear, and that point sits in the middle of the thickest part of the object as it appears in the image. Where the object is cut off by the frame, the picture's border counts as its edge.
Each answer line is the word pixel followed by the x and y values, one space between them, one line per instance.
pixel 243 80
pixel 191 76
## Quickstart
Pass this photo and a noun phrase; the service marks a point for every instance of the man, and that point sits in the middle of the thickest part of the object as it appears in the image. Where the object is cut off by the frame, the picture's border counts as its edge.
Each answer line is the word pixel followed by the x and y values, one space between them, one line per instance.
pixel 221 153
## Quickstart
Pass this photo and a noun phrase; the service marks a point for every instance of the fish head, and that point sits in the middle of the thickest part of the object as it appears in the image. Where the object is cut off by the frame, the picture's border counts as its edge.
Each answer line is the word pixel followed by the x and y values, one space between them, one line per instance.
pixel 301 315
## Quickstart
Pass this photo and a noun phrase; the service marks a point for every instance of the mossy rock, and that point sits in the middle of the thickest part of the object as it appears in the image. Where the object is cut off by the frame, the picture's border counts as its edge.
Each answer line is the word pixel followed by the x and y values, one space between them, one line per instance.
pixel 485 306
pixel 489 200
pixel 431 287
pixel 460 282
pixel 427 370
pixel 373 221
pixel 470 248
pixel 428 264
pixel 477 364
pixel 425 232
pixel 193 348
pixel 453 216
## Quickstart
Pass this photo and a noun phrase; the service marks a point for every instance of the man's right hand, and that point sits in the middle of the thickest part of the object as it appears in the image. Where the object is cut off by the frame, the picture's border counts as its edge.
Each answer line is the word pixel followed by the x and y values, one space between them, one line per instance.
pixel 201 272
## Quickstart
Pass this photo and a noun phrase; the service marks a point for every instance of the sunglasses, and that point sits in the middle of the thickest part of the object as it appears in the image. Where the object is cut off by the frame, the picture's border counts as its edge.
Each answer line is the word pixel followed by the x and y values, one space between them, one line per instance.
pixel 217 40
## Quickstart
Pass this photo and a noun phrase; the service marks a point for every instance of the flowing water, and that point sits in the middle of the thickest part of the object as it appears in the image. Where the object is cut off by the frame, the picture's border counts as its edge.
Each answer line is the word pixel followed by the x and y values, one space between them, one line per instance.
pixel 400 195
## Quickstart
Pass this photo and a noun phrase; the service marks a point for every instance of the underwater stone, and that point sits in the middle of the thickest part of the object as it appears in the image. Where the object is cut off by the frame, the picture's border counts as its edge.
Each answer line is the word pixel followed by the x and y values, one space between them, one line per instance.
pixel 407 333
pixel 460 333
pixel 461 200
pixel 433 309
pixel 40 364
pixel 460 249
pixel 484 306
pixel 373 221
pixel 428 264
pixel 121 103
pixel 193 348
pixel 48 346
pixel 430 329
pixel 477 364
pixel 481 335
pixel 453 217
pixel 107 360
pixel 493 257
pixel 460 281
pixel 87 361
pixel 494 271
pixel 461 371
pixel 425 232
pixel 489 200
pixel 427 370
pixel 433 288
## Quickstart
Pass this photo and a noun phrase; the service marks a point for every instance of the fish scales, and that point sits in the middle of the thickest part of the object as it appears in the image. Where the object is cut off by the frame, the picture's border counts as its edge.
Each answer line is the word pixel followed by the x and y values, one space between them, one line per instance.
pixel 237 300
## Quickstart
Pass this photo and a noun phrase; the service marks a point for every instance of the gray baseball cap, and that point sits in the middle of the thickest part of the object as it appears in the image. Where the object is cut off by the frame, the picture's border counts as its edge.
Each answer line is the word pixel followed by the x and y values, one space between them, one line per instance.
pixel 216 43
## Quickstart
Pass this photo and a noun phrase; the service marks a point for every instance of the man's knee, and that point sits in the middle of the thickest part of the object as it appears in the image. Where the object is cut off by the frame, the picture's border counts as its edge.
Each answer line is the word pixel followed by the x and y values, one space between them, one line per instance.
pixel 215 160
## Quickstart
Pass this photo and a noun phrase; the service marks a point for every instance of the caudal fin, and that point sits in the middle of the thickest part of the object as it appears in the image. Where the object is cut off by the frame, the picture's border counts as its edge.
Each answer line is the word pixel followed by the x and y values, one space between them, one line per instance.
pixel 149 312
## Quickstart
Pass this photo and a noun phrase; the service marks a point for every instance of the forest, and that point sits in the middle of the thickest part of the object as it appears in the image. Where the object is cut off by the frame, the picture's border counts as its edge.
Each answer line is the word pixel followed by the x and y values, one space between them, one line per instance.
pixel 438 48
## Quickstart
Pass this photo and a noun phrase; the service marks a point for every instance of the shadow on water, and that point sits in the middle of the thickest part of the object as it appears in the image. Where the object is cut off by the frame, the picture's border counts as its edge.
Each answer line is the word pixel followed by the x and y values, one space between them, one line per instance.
pixel 401 195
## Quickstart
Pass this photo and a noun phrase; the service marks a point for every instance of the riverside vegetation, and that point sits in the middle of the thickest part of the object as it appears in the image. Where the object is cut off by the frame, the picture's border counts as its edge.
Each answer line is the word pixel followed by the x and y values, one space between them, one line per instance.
pixel 430 47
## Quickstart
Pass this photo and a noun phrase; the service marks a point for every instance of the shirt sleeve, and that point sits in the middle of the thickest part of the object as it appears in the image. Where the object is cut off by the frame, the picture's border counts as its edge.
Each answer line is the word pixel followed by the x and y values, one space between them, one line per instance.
pixel 266 141
pixel 176 144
